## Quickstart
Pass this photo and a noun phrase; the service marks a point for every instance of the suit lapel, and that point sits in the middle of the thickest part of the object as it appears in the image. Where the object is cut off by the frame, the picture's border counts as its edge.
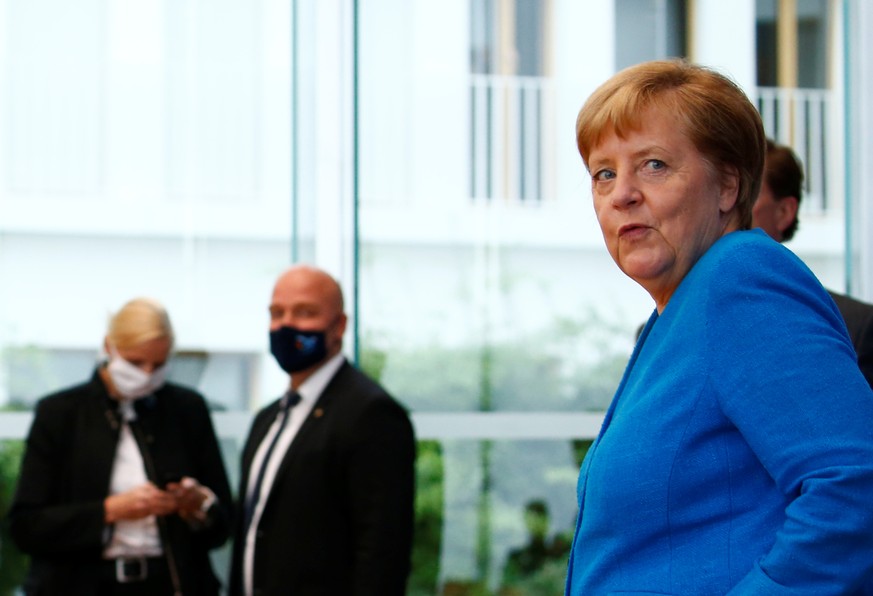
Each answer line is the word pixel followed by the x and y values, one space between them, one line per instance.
pixel 259 429
pixel 318 417
pixel 97 431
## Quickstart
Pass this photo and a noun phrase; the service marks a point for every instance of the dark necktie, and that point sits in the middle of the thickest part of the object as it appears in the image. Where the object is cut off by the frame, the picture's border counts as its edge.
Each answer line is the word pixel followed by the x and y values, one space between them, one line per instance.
pixel 289 400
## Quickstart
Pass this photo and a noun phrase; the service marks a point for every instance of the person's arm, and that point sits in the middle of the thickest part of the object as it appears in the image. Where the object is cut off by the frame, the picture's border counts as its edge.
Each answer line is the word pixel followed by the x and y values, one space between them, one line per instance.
pixel 381 497
pixel 210 502
pixel 795 393
pixel 42 519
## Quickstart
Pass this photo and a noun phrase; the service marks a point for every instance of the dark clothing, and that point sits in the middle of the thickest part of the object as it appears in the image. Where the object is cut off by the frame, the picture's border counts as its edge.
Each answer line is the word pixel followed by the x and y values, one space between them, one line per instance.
pixel 57 514
pixel 157 580
pixel 859 320
pixel 338 519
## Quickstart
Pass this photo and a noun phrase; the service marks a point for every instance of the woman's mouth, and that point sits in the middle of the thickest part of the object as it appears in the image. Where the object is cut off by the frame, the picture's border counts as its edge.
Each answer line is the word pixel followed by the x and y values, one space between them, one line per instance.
pixel 632 231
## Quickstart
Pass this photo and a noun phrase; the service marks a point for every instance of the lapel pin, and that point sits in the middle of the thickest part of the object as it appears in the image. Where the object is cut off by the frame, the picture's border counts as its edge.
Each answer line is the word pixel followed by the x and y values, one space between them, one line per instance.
pixel 318 413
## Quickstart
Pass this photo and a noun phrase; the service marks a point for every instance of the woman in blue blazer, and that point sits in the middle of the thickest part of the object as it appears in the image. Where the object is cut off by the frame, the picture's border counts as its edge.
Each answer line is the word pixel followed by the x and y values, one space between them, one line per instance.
pixel 737 454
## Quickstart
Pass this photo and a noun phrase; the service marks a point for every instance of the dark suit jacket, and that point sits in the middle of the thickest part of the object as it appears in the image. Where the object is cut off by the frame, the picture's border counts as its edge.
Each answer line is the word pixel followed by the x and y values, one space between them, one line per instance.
pixel 338 519
pixel 859 320
pixel 57 512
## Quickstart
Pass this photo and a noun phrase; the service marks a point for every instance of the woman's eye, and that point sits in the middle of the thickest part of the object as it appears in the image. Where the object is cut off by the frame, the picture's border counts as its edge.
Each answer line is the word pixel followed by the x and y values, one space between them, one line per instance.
pixel 656 164
pixel 602 175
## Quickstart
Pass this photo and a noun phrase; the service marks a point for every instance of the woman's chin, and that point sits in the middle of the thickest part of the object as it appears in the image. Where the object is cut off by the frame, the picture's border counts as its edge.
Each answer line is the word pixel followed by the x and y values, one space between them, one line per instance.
pixel 642 271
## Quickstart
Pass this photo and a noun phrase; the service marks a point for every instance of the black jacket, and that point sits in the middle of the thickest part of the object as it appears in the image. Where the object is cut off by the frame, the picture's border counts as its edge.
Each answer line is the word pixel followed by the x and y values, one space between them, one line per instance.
pixel 339 516
pixel 57 512
pixel 859 321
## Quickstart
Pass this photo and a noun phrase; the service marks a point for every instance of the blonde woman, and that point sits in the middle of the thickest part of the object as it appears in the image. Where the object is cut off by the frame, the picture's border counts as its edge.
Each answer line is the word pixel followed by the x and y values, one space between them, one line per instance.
pixel 122 488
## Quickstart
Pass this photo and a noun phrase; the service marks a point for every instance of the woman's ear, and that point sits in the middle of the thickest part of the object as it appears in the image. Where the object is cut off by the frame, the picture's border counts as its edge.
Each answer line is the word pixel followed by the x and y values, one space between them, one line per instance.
pixel 730 189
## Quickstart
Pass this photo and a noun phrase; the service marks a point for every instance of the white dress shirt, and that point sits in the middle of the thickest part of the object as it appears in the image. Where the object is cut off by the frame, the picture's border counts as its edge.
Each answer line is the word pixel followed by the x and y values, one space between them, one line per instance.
pixel 130 537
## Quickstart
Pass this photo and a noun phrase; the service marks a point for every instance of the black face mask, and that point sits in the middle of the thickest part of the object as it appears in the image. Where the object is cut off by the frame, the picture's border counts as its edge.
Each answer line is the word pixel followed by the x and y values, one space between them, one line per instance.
pixel 297 350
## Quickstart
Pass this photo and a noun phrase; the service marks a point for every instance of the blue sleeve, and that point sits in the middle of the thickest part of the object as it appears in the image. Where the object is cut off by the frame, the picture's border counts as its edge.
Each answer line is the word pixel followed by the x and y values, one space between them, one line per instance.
pixel 791 385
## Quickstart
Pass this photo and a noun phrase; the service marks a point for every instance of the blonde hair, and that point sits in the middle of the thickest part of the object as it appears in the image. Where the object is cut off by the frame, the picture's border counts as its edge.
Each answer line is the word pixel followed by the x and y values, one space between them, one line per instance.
pixel 711 109
pixel 138 321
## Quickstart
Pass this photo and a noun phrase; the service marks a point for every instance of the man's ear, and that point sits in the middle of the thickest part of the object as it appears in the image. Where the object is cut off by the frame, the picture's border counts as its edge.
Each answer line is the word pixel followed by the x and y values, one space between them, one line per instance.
pixel 341 323
pixel 786 212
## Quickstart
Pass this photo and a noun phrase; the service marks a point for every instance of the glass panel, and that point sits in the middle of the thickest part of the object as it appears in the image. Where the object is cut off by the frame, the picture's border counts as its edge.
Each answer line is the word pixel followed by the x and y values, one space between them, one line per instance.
pixel 484 285
pixel 765 43
pixel 476 299
pixel 649 30
pixel 507 37
pixel 494 517
pixel 813 36
pixel 146 152
pixel 145 149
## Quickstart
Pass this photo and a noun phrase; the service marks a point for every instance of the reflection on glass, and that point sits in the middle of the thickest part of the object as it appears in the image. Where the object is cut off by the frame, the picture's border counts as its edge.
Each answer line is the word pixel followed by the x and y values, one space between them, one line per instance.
pixel 486 540
pixel 540 561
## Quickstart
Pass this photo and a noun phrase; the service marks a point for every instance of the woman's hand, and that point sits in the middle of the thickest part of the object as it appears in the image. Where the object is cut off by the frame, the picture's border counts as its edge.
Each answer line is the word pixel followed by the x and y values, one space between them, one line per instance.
pixel 139 502
pixel 190 497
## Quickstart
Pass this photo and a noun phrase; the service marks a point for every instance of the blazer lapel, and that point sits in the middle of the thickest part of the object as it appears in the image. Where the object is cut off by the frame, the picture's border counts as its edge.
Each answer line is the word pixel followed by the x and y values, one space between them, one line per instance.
pixel 316 419
pixel 97 431
pixel 259 429
pixel 312 423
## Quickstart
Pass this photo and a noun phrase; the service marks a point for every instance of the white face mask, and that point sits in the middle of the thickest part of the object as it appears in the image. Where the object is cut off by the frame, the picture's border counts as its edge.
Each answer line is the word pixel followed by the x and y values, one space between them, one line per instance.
pixel 132 382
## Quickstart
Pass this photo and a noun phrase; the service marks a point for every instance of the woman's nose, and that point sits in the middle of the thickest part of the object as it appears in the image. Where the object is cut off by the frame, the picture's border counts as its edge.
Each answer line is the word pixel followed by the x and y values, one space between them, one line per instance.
pixel 626 192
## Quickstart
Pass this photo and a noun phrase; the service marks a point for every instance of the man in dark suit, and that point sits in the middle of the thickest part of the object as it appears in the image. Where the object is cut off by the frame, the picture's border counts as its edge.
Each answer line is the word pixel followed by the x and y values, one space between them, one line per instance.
pixel 775 212
pixel 327 484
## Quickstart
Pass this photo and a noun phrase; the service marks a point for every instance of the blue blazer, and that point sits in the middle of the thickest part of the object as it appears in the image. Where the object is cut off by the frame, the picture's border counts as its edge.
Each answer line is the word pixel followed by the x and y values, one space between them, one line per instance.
pixel 737 454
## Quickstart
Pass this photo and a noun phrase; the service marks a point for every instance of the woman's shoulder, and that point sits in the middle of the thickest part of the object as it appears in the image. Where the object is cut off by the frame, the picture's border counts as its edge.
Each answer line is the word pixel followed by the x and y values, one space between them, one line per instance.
pixel 57 411
pixel 750 273
pixel 183 391
pixel 751 247
pixel 71 396
pixel 751 258
pixel 181 395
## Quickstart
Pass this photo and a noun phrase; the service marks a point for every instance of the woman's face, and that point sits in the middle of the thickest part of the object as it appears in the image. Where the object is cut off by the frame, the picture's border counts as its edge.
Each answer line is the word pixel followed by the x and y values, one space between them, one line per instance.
pixel 149 355
pixel 660 205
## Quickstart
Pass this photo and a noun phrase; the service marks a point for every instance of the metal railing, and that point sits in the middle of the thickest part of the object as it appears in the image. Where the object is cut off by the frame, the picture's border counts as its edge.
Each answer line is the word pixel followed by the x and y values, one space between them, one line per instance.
pixel 804 120
pixel 511 138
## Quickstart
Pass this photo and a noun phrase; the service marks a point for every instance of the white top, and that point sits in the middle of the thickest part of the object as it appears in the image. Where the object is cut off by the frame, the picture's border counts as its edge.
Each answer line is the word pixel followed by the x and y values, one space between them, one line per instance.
pixel 130 538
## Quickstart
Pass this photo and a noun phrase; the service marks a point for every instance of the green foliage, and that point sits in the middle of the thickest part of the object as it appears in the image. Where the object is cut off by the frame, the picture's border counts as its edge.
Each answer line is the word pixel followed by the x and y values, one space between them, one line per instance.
pixel 547 580
pixel 428 519
pixel 34 373
pixel 571 366
pixel 13 564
